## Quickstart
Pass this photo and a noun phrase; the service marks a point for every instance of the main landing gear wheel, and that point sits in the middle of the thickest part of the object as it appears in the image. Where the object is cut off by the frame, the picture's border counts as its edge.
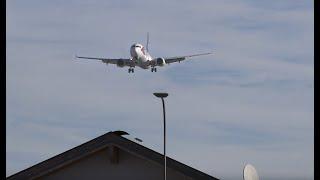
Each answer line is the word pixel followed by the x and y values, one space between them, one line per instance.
pixel 153 69
pixel 130 70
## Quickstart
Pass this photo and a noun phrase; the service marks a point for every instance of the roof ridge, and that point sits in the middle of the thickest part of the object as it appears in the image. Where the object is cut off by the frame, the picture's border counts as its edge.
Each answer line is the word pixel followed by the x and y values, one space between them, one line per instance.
pixel 76 153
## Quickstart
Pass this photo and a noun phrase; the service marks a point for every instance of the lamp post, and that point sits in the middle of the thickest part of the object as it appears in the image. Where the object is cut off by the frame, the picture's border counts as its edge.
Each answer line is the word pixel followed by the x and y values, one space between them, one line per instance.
pixel 162 96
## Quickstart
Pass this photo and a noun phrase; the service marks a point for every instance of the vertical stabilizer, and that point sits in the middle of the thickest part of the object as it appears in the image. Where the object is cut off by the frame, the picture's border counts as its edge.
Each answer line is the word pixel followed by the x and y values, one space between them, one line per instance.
pixel 148 42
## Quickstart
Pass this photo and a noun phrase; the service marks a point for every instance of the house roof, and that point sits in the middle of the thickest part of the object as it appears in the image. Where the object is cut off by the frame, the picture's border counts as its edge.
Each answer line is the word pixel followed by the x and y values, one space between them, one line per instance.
pixel 100 143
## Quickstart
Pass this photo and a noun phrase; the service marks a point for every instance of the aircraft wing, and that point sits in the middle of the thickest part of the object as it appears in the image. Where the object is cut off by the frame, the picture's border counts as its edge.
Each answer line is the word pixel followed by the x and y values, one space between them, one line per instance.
pixel 120 61
pixel 181 58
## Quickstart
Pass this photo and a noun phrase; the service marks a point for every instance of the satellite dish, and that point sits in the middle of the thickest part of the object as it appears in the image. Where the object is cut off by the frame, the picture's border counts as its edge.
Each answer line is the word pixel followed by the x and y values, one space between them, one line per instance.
pixel 250 173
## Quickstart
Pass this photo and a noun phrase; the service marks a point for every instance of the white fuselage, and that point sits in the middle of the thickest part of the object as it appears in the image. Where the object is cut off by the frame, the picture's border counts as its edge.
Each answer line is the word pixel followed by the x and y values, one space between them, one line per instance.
pixel 140 56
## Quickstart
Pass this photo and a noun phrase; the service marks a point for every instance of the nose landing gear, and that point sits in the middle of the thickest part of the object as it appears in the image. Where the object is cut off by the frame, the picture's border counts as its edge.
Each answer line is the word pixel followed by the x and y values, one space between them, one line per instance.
pixel 153 69
pixel 130 70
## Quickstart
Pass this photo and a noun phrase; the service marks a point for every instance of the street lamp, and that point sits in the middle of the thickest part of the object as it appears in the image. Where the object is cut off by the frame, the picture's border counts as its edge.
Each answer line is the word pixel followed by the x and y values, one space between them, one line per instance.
pixel 163 95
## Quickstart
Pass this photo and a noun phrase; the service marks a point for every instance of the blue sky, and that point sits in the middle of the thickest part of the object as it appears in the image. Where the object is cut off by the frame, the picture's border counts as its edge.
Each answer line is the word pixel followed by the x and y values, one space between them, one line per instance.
pixel 250 102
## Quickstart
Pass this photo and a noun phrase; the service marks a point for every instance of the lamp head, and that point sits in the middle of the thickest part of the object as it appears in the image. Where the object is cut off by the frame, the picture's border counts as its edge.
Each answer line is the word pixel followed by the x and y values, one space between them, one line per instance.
pixel 161 95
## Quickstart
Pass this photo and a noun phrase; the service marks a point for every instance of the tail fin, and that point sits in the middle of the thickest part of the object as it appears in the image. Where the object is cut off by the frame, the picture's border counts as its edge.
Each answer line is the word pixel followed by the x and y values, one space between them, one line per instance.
pixel 148 42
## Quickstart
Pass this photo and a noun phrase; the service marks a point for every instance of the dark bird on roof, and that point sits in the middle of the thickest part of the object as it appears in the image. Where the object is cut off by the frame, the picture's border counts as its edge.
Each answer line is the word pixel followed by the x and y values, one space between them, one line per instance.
pixel 138 139
pixel 120 133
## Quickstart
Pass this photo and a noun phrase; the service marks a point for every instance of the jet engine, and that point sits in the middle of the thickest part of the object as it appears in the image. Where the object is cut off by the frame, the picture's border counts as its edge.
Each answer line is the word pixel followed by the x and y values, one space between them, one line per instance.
pixel 161 62
pixel 120 63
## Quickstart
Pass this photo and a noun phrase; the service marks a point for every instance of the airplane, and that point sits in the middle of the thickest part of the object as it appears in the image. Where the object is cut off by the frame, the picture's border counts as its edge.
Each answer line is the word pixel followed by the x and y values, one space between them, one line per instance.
pixel 140 57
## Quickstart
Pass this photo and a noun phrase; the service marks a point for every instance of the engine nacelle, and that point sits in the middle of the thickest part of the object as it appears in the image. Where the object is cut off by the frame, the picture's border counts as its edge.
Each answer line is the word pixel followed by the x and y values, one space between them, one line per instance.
pixel 161 62
pixel 120 63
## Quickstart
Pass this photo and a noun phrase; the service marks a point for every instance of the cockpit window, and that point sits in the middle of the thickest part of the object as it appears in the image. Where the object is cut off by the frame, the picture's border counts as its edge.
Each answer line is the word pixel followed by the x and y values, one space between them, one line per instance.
pixel 136 46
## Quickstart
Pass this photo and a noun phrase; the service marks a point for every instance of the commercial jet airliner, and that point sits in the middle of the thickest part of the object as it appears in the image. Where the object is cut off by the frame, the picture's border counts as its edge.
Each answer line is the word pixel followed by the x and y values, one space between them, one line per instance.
pixel 140 57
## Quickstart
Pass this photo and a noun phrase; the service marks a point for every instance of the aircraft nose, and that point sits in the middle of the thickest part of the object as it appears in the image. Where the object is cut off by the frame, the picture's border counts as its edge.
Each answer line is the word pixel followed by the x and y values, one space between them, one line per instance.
pixel 133 52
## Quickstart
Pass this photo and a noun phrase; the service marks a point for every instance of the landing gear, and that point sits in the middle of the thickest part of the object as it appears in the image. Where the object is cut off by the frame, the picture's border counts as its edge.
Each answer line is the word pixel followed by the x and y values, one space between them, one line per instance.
pixel 130 70
pixel 153 69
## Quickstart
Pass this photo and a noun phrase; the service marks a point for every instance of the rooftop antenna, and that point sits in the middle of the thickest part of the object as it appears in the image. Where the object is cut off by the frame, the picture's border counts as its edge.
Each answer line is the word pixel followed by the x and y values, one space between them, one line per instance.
pixel 250 173
pixel 148 42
